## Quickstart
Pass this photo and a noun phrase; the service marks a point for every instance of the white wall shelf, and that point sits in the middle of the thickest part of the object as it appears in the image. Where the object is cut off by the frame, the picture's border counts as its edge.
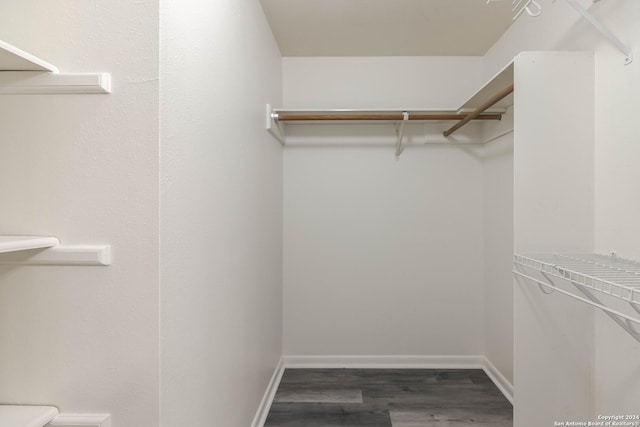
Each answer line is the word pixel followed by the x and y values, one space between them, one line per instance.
pixel 23 73
pixel 605 275
pixel 81 420
pixel 21 243
pixel 26 416
pixel 32 83
pixel 14 59
pixel 38 250
pixel 48 416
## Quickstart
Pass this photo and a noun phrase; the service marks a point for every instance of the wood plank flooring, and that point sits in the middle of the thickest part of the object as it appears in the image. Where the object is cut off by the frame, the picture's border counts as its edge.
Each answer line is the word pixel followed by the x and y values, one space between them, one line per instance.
pixel 388 398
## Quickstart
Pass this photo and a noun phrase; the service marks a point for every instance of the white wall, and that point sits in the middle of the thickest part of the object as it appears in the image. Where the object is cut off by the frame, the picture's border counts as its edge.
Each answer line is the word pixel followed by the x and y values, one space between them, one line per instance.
pixel 559 27
pixel 83 168
pixel 221 212
pixel 616 211
pixel 373 245
pixel 380 82
pixel 498 250
pixel 615 170
pixel 553 212
pixel 617 92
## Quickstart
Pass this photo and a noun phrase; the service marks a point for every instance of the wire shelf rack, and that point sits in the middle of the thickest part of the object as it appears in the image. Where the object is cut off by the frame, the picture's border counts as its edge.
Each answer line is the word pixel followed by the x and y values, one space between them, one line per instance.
pixel 591 274
pixel 610 275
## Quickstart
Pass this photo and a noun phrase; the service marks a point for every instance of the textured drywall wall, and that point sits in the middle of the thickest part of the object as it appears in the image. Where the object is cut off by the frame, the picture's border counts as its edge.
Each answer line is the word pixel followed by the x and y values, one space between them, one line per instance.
pixel 498 251
pixel 615 170
pixel 83 168
pixel 221 213
pixel 382 256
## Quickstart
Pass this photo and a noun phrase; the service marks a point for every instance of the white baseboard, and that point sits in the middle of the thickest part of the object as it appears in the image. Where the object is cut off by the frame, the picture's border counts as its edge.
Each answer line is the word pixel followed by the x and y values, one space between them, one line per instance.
pixel 80 420
pixel 385 362
pixel 498 379
pixel 265 405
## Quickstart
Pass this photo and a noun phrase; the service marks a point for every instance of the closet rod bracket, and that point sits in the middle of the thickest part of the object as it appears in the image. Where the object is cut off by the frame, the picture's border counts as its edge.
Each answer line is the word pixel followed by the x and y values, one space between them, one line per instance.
pixel 274 127
pixel 400 132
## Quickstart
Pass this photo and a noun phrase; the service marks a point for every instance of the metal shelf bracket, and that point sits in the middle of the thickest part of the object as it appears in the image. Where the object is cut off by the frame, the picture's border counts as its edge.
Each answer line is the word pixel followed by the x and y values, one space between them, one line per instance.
pixel 534 9
pixel 626 50
pixel 583 274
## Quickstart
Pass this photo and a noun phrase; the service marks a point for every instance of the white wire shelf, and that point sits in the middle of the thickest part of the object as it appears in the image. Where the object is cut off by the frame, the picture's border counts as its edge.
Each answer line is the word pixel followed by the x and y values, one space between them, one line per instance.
pixel 609 275
pixel 617 277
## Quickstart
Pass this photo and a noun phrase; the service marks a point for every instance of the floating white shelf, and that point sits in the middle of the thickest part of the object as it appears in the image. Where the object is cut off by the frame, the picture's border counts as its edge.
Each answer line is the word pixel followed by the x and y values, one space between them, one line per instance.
pixel 14 59
pixel 32 83
pixel 26 416
pixel 81 420
pixel 21 243
pixel 23 73
pixel 19 250
pixel 48 416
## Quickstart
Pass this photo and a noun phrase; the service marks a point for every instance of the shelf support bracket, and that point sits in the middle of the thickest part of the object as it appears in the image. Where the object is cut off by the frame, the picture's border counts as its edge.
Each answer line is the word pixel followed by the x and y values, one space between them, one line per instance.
pixel 630 324
pixel 400 132
pixel 627 325
pixel 592 300
pixel 552 290
pixel 626 50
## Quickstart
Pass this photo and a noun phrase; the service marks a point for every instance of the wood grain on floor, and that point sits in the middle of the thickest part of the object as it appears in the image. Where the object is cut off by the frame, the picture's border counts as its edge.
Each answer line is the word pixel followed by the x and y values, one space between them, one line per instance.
pixel 388 398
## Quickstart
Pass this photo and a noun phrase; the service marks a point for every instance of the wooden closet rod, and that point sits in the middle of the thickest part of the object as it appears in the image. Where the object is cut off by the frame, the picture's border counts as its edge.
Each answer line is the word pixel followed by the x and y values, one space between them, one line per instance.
pixel 373 117
pixel 478 111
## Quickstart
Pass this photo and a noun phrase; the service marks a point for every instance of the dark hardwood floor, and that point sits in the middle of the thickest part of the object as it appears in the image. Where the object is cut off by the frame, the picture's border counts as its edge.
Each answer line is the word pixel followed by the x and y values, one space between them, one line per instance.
pixel 388 398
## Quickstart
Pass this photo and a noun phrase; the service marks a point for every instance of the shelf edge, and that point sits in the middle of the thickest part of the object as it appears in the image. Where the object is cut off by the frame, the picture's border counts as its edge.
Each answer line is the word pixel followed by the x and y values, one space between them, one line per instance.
pixel 34 83
pixel 81 420
pixel 27 415
pixel 36 64
pixel 78 255
pixel 24 243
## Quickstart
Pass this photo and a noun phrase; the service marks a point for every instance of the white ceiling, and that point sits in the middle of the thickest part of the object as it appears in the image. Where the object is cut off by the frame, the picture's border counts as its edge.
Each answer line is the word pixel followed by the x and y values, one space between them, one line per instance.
pixel 386 27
